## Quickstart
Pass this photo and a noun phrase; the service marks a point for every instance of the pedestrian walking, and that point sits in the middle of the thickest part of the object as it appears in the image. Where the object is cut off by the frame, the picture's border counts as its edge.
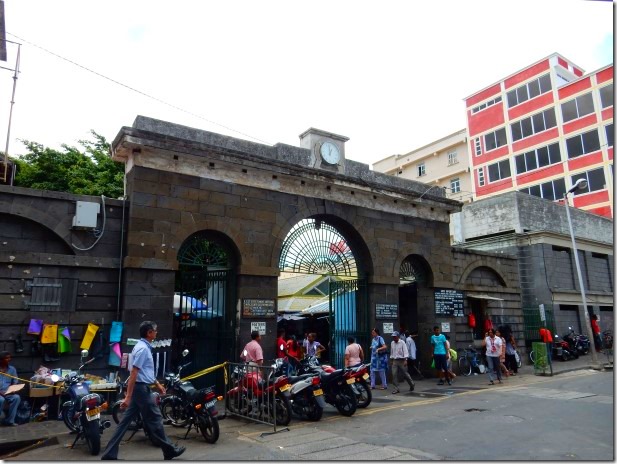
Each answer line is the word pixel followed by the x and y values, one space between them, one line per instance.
pixel 252 352
pixel 595 328
pixel 440 355
pixel 412 359
pixel 353 353
pixel 139 399
pixel 493 351
pixel 502 355
pixel 8 377
pixel 453 357
pixel 398 359
pixel 379 359
pixel 511 363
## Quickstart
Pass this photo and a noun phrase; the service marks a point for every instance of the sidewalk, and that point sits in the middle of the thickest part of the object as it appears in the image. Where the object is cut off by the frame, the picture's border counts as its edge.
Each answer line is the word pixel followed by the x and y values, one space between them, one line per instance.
pixel 54 431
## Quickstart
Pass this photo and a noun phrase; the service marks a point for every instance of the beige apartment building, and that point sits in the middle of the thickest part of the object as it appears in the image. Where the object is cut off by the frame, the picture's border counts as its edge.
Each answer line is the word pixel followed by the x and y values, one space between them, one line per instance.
pixel 443 163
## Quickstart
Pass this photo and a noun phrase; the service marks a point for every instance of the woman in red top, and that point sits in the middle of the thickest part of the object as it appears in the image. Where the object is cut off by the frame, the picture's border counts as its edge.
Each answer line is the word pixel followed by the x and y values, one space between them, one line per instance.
pixel 595 327
pixel 293 352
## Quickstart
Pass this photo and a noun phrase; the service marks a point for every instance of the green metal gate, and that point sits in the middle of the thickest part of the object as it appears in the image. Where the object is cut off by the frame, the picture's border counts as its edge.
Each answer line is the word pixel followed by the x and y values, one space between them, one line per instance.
pixel 348 316
pixel 207 322
pixel 532 322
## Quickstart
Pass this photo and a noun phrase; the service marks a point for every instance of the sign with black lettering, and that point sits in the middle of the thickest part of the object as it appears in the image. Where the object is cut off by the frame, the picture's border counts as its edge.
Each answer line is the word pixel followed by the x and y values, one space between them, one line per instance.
pixel 258 308
pixel 449 302
pixel 386 311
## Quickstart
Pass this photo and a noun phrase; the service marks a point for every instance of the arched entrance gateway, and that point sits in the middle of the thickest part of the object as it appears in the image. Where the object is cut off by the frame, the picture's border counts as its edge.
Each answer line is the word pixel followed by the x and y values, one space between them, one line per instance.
pixel 416 282
pixel 204 309
pixel 334 303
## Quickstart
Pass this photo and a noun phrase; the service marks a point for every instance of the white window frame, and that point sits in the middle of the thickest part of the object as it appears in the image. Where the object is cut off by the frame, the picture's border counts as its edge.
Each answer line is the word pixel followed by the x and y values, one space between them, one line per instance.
pixel 455 185
pixel 576 102
pixel 515 90
pixel 533 128
pixel 485 105
pixel 494 136
pixel 498 164
pixel 611 103
pixel 452 158
pixel 477 146
pixel 481 179
pixel 421 169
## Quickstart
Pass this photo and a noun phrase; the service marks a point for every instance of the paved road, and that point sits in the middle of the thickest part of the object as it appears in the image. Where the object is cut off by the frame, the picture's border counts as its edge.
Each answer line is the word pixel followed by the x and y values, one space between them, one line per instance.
pixel 566 417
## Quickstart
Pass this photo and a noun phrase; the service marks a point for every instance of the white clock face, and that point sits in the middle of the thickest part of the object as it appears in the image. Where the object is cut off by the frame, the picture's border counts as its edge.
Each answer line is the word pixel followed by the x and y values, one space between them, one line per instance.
pixel 330 153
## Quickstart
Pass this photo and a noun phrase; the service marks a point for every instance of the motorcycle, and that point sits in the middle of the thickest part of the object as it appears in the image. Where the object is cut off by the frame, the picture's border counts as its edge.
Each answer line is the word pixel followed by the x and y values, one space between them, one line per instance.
pixel 356 377
pixel 193 407
pixel 578 341
pixel 82 413
pixel 336 385
pixel 264 399
pixel 563 350
pixel 305 395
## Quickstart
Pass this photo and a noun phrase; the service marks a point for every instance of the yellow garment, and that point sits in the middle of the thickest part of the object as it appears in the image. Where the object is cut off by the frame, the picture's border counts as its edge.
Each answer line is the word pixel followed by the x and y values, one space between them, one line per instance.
pixel 50 333
pixel 89 336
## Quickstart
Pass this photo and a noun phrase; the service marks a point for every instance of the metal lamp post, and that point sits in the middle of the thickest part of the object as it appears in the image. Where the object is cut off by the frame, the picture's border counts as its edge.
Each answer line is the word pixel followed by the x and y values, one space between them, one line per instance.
pixel 581 184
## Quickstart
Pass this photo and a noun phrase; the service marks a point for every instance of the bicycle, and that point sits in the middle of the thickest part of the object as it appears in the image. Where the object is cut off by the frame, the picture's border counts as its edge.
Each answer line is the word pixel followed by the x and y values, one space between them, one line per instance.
pixel 469 361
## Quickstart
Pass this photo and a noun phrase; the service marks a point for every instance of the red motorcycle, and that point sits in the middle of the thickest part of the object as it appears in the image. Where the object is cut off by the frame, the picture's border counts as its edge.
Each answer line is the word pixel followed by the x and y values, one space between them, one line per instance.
pixel 254 396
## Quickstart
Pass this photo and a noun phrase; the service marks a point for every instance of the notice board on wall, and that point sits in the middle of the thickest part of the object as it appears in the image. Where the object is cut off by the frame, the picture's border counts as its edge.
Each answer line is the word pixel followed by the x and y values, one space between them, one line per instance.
pixel 258 308
pixel 449 302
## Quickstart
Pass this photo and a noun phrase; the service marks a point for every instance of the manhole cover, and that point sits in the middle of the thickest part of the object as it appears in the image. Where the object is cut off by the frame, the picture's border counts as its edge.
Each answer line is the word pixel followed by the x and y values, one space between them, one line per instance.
pixel 475 410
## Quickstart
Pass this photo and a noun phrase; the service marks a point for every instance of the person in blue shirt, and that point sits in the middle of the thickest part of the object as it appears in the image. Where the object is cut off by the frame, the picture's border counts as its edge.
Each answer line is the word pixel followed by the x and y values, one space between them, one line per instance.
pixel 440 355
pixel 13 399
pixel 139 399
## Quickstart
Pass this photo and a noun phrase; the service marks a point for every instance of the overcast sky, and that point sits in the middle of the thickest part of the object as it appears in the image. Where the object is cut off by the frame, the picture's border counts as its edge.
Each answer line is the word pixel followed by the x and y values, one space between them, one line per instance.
pixel 389 75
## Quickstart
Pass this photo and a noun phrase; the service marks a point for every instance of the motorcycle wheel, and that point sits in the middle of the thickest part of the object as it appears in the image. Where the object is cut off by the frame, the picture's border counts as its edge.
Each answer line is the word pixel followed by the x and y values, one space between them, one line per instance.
pixel 464 367
pixel 173 411
pixel 346 403
pixel 574 354
pixel 235 405
pixel 313 410
pixel 67 417
pixel 519 363
pixel 564 355
pixel 118 414
pixel 532 357
pixel 209 427
pixel 92 433
pixel 364 395
pixel 283 410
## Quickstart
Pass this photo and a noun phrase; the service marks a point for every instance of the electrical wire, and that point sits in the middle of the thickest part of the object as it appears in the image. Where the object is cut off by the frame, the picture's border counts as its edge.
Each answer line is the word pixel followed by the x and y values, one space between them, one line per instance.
pixel 100 235
pixel 133 89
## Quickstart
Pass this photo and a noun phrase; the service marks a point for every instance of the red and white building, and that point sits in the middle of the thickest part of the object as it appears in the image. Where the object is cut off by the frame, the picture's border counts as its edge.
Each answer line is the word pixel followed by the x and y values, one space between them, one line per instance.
pixel 541 129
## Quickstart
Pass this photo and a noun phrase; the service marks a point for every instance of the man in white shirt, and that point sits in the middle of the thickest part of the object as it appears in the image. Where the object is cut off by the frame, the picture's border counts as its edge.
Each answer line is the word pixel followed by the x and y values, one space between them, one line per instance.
pixel 398 359
pixel 412 363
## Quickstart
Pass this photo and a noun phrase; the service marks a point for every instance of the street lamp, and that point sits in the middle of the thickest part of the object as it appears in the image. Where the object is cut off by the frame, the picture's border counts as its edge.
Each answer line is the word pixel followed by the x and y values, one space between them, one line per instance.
pixel 579 185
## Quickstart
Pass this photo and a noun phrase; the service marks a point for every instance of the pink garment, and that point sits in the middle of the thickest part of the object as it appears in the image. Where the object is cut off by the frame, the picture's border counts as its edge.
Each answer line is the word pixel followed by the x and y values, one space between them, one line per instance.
pixel 254 352
pixel 353 351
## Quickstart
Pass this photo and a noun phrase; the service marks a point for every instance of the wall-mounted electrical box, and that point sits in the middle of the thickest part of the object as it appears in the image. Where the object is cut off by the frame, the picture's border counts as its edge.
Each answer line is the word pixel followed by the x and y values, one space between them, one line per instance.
pixel 86 215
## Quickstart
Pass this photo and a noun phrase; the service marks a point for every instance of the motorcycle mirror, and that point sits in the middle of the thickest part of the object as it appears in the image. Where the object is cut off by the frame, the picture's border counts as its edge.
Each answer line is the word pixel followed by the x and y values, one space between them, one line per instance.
pixel 185 353
pixel 84 353
pixel 55 378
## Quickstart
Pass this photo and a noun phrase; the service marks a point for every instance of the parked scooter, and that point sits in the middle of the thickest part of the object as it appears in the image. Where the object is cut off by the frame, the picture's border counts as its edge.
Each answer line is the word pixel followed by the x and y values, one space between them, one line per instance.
pixel 336 385
pixel 578 341
pixel 356 377
pixel 194 407
pixel 563 350
pixel 82 413
pixel 305 395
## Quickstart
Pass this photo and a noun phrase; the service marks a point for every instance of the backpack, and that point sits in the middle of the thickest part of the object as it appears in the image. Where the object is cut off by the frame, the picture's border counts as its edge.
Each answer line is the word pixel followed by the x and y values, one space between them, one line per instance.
pixel 453 354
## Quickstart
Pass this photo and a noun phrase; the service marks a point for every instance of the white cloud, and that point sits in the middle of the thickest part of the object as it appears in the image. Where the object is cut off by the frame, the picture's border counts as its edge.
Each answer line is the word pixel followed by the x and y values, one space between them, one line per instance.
pixel 390 75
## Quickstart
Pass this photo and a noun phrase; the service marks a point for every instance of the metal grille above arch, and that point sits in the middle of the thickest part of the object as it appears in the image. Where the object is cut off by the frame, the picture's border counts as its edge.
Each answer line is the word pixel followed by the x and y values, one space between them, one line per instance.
pixel 414 269
pixel 198 251
pixel 315 247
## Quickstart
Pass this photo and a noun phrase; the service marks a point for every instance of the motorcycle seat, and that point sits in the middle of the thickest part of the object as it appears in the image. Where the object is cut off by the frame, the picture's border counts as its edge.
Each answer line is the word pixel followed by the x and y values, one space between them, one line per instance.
pixel 328 376
pixel 297 378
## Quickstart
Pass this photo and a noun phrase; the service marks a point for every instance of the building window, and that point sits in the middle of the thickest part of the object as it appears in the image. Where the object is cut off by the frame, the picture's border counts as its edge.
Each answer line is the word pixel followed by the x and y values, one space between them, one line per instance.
pixel 421 170
pixel 478 146
pixel 455 185
pixel 452 158
pixel 595 180
pixel 530 90
pixel 481 177
pixel 606 95
pixel 485 105
pixel 577 108
pixel 495 139
pixel 609 135
pixel 498 171
pixel 552 190
pixel 539 158
pixel 532 125
pixel 582 144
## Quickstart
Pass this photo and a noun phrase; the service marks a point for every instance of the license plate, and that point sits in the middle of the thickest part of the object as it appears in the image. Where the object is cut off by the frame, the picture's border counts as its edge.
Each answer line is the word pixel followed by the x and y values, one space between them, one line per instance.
pixel 285 387
pixel 210 404
pixel 352 380
pixel 92 414
pixel 365 376
pixel 318 392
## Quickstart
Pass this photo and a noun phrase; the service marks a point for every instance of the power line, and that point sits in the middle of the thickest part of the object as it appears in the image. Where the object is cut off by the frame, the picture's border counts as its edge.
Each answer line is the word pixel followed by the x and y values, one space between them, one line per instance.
pixel 132 89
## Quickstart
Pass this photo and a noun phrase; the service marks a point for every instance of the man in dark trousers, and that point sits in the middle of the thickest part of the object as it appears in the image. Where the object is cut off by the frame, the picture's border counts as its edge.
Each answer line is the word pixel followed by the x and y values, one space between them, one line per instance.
pixel 139 399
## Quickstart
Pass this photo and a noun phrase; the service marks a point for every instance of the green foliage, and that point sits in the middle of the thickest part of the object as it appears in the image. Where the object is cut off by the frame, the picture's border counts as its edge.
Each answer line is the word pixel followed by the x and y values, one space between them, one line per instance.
pixel 86 171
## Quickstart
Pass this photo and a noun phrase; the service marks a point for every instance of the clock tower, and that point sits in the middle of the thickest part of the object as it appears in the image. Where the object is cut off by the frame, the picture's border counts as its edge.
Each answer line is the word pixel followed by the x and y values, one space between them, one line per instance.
pixel 327 149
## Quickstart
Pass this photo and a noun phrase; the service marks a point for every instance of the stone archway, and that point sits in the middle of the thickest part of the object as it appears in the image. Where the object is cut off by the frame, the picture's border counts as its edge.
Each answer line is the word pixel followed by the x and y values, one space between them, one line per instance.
pixel 416 279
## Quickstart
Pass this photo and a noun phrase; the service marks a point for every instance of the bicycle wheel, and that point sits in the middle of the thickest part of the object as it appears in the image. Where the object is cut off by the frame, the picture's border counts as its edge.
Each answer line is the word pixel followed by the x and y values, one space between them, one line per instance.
pixel 464 366
pixel 532 357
